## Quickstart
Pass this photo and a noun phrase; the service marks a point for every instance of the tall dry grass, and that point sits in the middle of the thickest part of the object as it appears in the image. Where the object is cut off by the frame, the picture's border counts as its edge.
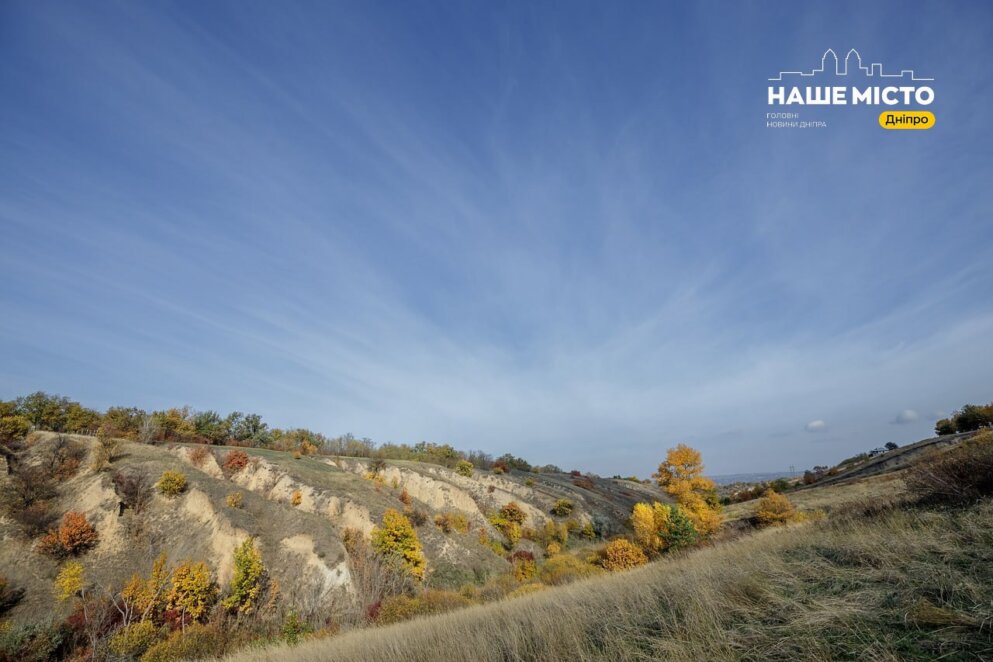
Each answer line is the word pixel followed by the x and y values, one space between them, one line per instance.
pixel 898 584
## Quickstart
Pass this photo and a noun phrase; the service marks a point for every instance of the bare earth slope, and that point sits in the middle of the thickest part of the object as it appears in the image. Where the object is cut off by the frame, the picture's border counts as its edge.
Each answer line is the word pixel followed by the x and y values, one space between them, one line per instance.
pixel 301 544
pixel 893 581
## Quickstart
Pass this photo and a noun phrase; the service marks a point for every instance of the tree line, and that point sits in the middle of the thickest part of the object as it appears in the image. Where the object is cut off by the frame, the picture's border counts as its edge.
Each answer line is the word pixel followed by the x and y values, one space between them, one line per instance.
pixel 56 413
pixel 967 419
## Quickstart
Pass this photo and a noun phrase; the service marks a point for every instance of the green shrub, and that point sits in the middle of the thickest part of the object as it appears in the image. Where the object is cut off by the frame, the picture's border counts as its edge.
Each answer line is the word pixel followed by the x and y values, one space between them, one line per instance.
pixel 32 643
pixel 680 531
pixel 294 627
pixel 944 426
pixel 659 527
pixel 464 468
pixel 172 483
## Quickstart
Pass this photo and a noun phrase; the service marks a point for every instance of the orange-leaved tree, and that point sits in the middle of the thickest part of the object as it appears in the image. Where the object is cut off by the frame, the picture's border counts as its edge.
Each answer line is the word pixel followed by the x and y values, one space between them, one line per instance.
pixel 681 475
pixel 73 537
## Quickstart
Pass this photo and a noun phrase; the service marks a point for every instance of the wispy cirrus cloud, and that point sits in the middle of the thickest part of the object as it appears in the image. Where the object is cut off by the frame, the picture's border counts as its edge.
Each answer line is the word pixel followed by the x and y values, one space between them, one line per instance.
pixel 544 251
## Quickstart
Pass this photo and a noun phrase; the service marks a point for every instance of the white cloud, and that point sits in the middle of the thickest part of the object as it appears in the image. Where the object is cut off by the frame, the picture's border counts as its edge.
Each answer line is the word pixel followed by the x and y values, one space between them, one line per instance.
pixel 816 426
pixel 906 416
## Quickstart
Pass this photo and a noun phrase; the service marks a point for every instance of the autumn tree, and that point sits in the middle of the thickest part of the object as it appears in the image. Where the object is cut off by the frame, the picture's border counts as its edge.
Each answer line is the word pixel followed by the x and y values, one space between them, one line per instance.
pixel 249 428
pixel 397 538
pixel 192 591
pixel 145 599
pixel 71 582
pixel 81 420
pixel 174 424
pixel 210 427
pixel 659 527
pixel 13 428
pixel 249 579
pixel 973 417
pixel 944 426
pixel 122 422
pixel 45 411
pixel 681 475
pixel 73 537
pixel 374 576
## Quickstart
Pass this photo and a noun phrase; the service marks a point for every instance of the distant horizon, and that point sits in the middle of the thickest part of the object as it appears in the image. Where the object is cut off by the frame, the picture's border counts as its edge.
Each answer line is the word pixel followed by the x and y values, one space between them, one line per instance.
pixel 564 231
pixel 719 478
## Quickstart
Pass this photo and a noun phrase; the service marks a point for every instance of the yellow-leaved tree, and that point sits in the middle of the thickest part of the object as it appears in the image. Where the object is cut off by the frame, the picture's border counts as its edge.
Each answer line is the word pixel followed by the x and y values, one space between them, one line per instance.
pixel 396 538
pixel 145 599
pixel 70 582
pixel 249 579
pixel 659 527
pixel 681 475
pixel 192 591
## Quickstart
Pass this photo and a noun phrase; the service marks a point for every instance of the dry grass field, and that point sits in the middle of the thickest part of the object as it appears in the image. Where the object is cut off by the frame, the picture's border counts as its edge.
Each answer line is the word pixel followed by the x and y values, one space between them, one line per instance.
pixel 875 583
pixel 881 488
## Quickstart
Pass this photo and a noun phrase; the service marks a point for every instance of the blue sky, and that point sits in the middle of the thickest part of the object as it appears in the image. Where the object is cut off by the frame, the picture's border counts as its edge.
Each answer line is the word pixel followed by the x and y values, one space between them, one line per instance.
pixel 559 230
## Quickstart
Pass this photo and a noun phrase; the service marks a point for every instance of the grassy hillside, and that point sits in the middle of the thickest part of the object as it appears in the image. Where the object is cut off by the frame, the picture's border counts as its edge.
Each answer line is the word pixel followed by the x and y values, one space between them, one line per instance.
pixel 894 583
pixel 894 460
pixel 298 509
pixel 326 552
